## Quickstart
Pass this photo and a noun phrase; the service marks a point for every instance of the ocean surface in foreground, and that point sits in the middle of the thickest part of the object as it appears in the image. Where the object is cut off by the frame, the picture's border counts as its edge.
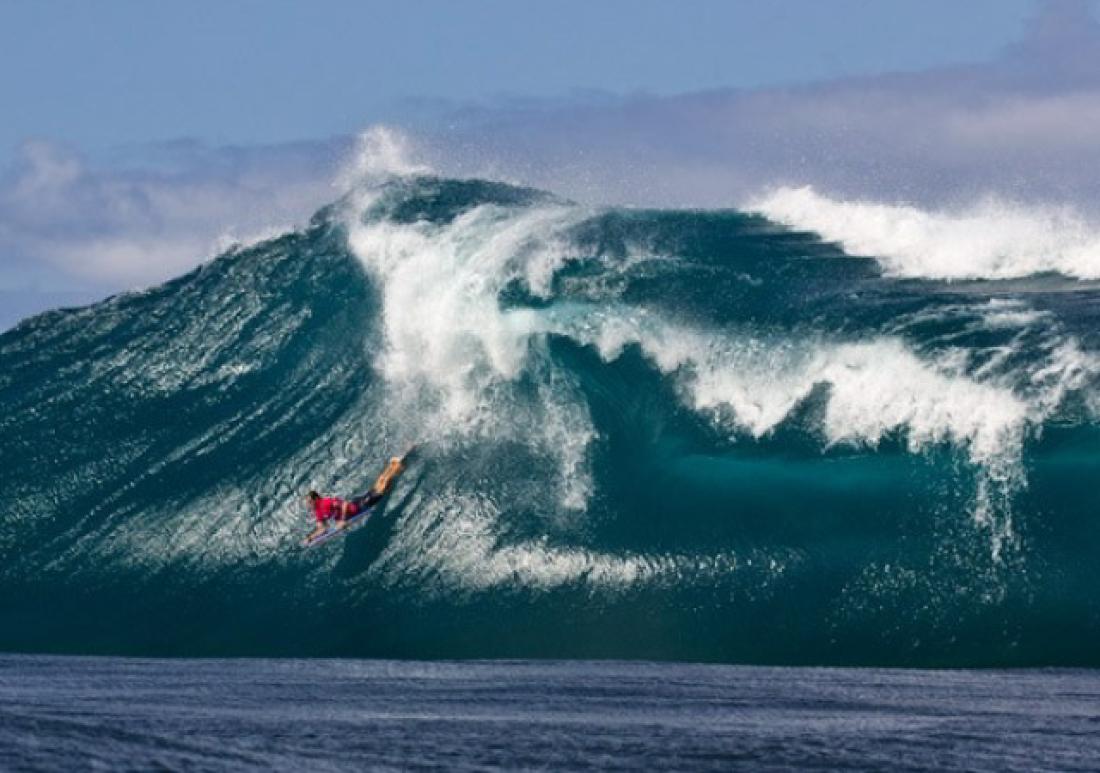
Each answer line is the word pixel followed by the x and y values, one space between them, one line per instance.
pixel 77 713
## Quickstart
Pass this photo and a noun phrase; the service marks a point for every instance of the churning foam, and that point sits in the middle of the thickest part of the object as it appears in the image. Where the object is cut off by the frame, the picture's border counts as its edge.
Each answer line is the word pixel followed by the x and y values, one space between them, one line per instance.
pixel 456 542
pixel 875 388
pixel 991 239
pixel 450 347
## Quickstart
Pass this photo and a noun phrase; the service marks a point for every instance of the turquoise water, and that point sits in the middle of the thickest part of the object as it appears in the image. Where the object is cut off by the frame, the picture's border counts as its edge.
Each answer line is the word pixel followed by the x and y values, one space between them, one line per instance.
pixel 687 435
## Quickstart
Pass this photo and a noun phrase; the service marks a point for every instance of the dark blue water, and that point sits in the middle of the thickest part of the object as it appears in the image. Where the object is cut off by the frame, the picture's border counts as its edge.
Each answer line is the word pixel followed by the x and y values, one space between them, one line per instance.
pixel 72 713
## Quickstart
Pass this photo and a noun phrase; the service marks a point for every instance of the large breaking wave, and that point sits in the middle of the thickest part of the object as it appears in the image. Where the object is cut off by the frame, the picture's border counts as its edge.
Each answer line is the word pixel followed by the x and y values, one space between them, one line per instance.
pixel 670 434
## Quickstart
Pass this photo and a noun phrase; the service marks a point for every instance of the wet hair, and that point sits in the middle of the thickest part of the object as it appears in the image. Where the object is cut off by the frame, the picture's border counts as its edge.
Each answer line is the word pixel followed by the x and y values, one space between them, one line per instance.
pixel 313 495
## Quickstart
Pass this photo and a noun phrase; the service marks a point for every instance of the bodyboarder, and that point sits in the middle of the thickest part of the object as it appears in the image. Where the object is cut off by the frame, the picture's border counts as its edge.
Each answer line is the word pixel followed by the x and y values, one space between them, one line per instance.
pixel 340 510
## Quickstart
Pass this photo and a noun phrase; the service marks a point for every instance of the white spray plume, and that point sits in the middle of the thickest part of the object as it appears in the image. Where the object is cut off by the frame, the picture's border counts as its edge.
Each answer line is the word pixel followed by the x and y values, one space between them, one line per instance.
pixel 991 239
pixel 381 152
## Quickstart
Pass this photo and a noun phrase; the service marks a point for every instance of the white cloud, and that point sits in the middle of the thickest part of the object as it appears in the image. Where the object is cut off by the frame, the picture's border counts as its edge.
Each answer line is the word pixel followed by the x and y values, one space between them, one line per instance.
pixel 146 219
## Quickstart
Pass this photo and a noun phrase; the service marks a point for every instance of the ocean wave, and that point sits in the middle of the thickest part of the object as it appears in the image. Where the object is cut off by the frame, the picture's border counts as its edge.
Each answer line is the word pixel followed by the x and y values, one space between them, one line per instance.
pixel 693 428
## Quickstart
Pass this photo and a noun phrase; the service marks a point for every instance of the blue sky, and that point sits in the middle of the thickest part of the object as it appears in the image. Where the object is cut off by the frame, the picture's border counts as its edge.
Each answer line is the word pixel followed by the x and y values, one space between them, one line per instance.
pixel 102 74
pixel 139 138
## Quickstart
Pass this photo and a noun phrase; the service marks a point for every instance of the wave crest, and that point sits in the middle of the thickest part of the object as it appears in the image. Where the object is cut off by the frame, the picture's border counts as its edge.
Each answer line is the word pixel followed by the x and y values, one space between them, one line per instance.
pixel 992 239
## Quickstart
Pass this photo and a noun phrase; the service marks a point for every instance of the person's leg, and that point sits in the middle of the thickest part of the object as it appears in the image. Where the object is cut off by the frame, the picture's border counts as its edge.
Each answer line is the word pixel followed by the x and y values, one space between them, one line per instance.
pixel 367 500
pixel 386 478
pixel 377 491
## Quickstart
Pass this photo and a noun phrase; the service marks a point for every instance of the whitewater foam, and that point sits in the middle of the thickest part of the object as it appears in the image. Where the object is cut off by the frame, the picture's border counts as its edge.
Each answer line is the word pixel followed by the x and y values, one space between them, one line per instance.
pixel 875 388
pixel 991 239
pixel 1001 313
pixel 454 537
pixel 452 349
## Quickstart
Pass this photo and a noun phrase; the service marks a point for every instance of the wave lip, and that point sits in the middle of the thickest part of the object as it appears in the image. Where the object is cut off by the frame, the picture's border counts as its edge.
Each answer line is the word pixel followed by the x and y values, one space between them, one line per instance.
pixel 991 239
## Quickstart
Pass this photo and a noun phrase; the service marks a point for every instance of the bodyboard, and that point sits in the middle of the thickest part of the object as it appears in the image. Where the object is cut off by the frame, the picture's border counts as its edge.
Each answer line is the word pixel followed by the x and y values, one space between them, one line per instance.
pixel 351 524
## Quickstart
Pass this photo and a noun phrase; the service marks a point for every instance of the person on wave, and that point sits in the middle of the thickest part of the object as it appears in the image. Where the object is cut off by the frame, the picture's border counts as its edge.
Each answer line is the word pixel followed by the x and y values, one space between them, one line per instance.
pixel 340 510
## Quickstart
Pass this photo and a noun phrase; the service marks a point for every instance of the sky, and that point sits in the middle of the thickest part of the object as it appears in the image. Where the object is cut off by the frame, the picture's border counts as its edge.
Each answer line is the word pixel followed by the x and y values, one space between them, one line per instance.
pixel 99 75
pixel 140 137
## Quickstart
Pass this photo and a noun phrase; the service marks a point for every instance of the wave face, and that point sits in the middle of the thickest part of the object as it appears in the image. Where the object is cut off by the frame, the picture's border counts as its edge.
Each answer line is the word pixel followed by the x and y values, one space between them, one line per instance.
pixel 645 434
